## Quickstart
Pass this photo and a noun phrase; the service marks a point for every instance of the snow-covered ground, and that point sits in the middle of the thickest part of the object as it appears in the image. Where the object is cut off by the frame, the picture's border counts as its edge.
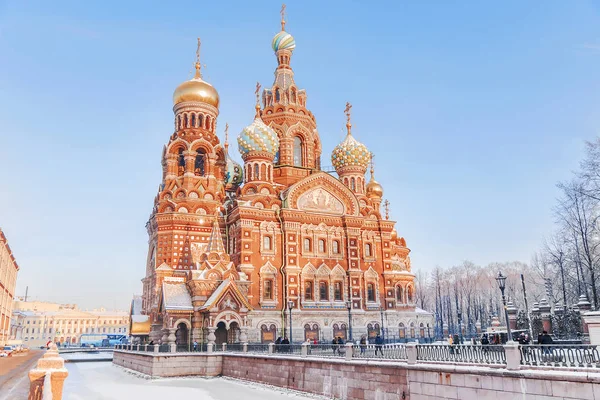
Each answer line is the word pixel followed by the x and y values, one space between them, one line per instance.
pixel 105 381
pixel 104 355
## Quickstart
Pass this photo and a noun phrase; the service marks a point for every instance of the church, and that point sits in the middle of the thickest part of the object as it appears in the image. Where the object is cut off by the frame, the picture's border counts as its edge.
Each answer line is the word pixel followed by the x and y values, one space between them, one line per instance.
pixel 276 246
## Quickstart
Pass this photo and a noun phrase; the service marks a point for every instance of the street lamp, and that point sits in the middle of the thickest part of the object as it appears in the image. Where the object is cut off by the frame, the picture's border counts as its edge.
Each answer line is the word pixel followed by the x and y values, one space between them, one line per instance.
pixel 382 331
pixel 349 307
pixel 428 333
pixel 290 307
pixel 502 284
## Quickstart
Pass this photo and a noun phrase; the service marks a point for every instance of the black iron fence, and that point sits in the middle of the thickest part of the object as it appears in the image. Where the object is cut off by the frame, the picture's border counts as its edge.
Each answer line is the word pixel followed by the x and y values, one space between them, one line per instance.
pixel 575 356
pixel 463 353
pixel 387 351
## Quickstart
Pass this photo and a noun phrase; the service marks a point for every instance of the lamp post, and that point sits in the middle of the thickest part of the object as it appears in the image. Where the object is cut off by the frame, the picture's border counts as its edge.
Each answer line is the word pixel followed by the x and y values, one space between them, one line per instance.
pixel 502 284
pixel 428 333
pixel 290 307
pixel 349 307
pixel 382 331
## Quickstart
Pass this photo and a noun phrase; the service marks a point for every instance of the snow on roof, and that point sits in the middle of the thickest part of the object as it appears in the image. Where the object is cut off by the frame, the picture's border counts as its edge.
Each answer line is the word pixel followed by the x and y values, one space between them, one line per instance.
pixel 215 295
pixel 176 296
pixel 421 311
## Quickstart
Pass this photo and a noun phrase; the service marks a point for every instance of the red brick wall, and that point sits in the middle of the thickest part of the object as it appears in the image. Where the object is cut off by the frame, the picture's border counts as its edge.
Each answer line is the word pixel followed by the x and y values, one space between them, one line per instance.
pixel 329 378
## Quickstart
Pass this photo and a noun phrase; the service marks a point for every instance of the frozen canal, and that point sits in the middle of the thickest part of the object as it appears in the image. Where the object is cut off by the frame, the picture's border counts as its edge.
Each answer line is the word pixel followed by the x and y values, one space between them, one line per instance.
pixel 104 381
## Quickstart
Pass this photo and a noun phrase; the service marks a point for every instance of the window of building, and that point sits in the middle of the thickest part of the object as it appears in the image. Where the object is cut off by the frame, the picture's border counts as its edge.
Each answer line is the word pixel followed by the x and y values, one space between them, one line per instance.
pixel 368 249
pixel 337 291
pixel 370 292
pixel 335 247
pixel 353 184
pixel 308 290
pixel 321 245
pixel 180 163
pixel 268 292
pixel 399 294
pixel 323 291
pixel 256 172
pixel 297 151
pixel 267 243
pixel 307 244
pixel 199 163
pixel 410 294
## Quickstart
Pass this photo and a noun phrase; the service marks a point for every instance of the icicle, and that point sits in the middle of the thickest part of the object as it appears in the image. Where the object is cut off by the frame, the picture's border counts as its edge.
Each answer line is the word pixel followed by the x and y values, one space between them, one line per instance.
pixel 47 392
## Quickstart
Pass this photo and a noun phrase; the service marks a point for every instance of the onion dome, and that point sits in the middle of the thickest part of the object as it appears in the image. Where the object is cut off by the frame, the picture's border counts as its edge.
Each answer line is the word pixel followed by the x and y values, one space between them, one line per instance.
pixel 196 90
pixel 350 153
pixel 283 41
pixel 374 190
pixel 258 137
pixel 394 234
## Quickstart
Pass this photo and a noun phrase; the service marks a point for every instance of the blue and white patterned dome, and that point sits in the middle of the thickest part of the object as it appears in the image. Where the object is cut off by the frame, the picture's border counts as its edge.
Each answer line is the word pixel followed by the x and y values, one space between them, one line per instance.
pixel 283 41
pixel 258 137
pixel 350 153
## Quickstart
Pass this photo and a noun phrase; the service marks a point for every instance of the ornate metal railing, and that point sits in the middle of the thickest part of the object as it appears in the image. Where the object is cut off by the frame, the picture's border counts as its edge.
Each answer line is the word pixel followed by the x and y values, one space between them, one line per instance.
pixel 258 348
pixel 386 351
pixel 472 354
pixel 237 347
pixel 326 350
pixel 288 349
pixel 164 348
pixel 574 356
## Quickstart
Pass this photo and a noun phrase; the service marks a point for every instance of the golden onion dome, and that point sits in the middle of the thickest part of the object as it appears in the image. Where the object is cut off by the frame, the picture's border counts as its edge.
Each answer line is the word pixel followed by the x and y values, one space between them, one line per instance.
pixel 196 90
pixel 374 189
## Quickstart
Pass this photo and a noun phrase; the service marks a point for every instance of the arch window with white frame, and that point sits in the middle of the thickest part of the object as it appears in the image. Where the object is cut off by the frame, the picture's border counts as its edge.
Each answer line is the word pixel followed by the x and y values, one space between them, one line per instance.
pixel 368 250
pixel 308 290
pixel 322 246
pixel 267 243
pixel 399 294
pixel 335 247
pixel 297 151
pixel 268 289
pixel 307 245
pixel 338 290
pixel 371 292
pixel 323 291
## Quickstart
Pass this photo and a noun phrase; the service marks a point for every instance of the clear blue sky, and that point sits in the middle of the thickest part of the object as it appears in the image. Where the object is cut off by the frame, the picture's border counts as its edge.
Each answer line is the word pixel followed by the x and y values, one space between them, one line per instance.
pixel 473 109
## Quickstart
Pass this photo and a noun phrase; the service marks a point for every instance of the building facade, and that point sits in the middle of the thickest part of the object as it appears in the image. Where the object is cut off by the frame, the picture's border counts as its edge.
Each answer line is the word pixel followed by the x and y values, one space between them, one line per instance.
pixel 230 262
pixel 36 323
pixel 8 280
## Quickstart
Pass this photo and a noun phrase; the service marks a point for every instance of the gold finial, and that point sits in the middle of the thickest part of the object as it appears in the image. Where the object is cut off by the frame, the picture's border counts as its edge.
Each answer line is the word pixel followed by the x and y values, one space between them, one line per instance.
pixel 347 112
pixel 386 204
pixel 282 12
pixel 372 166
pixel 198 65
pixel 256 92
pixel 226 136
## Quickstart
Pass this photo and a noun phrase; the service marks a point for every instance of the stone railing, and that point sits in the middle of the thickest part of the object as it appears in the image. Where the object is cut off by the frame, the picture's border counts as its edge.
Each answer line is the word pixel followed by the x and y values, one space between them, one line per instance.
pixel 47 379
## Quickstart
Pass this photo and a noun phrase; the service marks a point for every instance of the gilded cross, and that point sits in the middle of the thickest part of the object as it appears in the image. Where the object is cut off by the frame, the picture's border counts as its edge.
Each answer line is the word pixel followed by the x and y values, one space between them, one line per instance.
pixel 282 12
pixel 198 51
pixel 226 131
pixel 386 204
pixel 347 111
pixel 256 91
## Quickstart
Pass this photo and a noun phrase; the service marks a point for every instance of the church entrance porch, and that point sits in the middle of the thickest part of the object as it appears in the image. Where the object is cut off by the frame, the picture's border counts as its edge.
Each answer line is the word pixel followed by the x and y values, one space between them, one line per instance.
pixel 230 335
pixel 182 335
pixel 221 333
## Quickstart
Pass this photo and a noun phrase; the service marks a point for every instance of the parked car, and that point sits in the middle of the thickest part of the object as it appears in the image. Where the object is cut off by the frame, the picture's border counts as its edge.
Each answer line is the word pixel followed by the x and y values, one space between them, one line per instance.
pixel 8 350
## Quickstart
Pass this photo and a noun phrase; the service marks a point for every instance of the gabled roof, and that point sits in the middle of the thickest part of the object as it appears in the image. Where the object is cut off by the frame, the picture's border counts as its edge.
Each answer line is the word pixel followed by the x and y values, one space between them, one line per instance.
pixel 226 286
pixel 176 297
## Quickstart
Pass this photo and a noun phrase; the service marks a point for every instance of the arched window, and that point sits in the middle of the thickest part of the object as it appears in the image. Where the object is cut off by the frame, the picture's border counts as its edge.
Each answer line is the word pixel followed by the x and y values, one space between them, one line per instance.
pixel 297 152
pixel 410 294
pixel 308 290
pixel 200 121
pixel 256 172
pixel 337 291
pixel 421 330
pixel 268 289
pixel 399 294
pixel 368 250
pixel 179 122
pixel 277 95
pixel 199 163
pixel 321 246
pixel 412 329
pixel 323 291
pixel 293 96
pixel 180 163
pixel 370 292
pixel 193 120
pixel 335 247
pixel 402 331
pixel 353 184
pixel 185 121
pixel 307 244
pixel 267 243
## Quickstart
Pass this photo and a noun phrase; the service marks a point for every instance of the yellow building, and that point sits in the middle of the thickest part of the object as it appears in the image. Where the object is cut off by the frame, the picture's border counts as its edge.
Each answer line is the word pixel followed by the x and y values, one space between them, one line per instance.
pixel 8 281
pixel 36 322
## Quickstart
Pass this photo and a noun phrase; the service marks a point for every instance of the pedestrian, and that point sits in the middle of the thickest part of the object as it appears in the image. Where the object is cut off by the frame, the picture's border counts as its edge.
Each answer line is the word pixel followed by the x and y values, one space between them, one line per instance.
pixel 195 345
pixel 546 340
pixel 363 344
pixel 277 344
pixel 378 344
pixel 285 344
pixel 340 344
pixel 451 343
pixel 334 345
